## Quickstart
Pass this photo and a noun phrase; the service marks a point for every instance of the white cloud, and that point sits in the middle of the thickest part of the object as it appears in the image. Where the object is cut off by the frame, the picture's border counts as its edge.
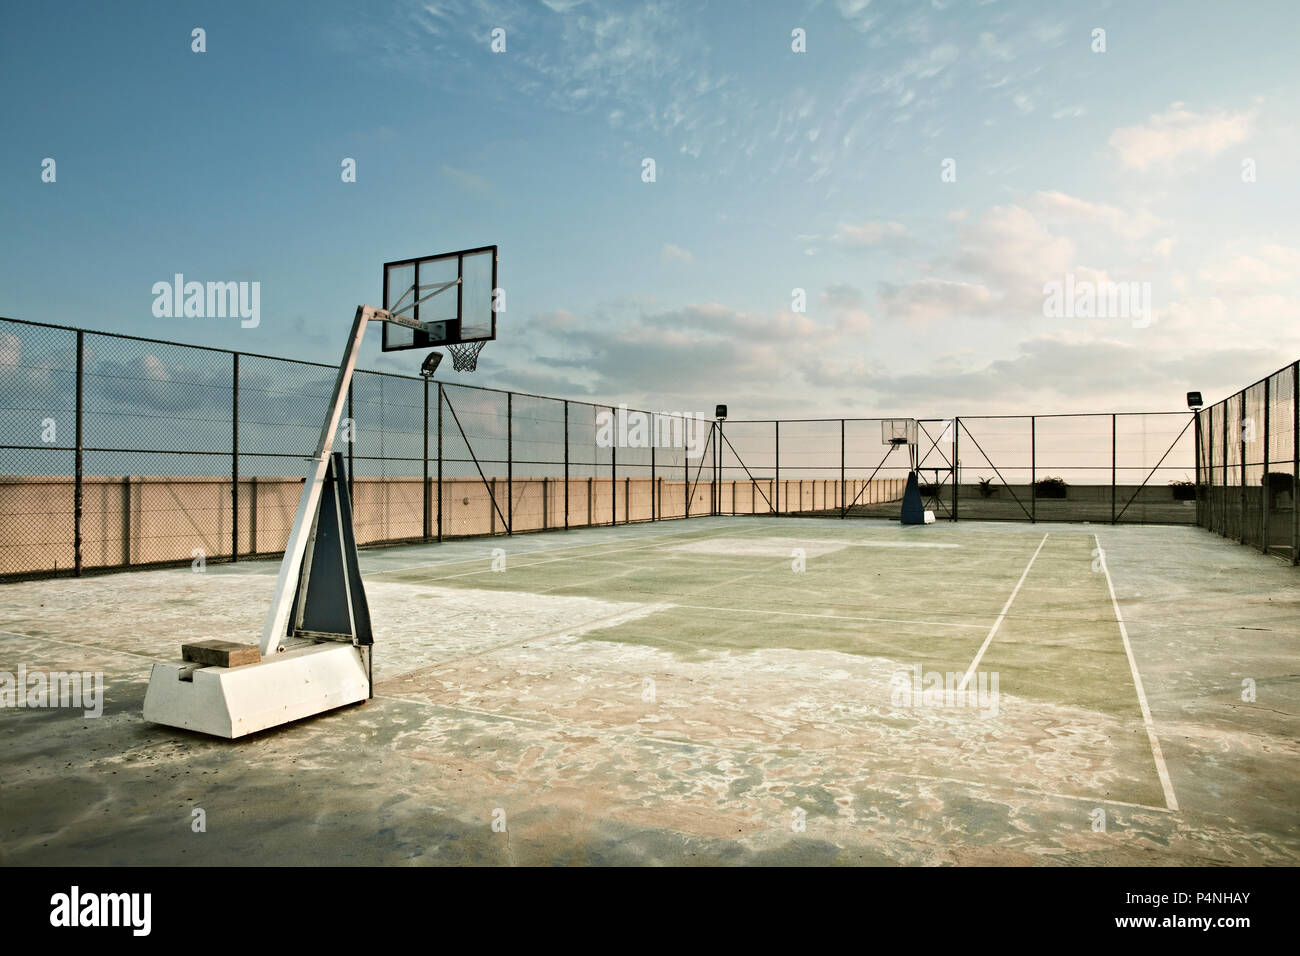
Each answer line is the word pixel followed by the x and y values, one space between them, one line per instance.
pixel 672 253
pixel 928 300
pixel 1179 132
pixel 1270 265
pixel 1128 223
pixel 1012 250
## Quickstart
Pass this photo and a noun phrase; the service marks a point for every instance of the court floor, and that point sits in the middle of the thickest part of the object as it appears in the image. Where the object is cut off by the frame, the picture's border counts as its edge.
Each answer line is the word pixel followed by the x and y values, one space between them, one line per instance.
pixel 717 690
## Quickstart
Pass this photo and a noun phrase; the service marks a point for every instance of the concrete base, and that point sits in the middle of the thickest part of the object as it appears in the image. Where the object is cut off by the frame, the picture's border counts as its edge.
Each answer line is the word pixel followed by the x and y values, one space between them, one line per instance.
pixel 233 701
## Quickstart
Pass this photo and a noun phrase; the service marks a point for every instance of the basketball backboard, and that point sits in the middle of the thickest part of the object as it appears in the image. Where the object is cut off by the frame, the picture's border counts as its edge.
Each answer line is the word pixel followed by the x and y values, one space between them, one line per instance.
pixel 898 431
pixel 452 293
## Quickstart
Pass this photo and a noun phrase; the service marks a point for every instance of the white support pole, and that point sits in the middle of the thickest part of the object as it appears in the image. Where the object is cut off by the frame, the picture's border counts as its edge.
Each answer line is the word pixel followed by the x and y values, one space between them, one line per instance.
pixel 277 618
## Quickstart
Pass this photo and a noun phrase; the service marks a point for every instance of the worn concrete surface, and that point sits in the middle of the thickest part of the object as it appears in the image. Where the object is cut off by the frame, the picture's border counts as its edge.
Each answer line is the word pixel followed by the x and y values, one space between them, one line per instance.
pixel 676 693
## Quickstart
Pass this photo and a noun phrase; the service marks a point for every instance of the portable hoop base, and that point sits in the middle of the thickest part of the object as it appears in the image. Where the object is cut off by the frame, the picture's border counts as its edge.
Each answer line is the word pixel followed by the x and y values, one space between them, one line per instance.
pixel 231 702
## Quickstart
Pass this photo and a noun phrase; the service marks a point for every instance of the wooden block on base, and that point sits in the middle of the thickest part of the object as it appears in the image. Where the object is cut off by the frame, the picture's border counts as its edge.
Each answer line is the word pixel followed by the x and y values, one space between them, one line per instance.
pixel 220 653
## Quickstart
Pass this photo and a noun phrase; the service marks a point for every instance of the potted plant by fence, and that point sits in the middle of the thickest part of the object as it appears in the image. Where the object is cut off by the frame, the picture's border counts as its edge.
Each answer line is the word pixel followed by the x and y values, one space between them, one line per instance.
pixel 1279 483
pixel 1050 487
pixel 1183 490
pixel 986 488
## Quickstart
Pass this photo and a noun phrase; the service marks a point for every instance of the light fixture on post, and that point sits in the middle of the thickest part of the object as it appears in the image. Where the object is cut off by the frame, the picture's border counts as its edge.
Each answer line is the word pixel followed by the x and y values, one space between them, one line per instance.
pixel 430 364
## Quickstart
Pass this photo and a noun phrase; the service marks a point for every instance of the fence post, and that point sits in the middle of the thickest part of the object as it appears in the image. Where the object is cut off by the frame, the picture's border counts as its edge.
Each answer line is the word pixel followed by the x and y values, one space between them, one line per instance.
pixel 424 483
pixel 234 463
pixel 776 484
pixel 77 480
pixel 566 464
pixel 1264 498
pixel 510 462
pixel 126 520
pixel 1223 407
pixel 1112 467
pixel 613 472
pixel 1295 462
pixel 653 442
pixel 843 496
pixel 956 465
pixel 440 461
pixel 1241 443
pixel 686 463
pixel 1033 469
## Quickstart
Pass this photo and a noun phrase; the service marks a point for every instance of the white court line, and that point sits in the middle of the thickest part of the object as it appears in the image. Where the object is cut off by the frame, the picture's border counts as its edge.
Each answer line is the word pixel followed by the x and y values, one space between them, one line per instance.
pixel 1001 617
pixel 1170 800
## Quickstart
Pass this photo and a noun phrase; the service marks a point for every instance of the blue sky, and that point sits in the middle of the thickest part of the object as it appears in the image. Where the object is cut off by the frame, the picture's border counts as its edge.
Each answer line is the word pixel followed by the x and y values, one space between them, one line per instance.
pixel 776 171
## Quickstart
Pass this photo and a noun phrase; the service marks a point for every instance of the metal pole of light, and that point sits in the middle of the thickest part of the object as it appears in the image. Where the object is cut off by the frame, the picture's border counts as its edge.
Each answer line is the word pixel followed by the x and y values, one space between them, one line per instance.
pixel 424 461
pixel 234 461
pixel 1033 468
pixel 440 461
pixel 1196 446
pixel 78 462
pixel 566 465
pixel 510 463
pixel 717 466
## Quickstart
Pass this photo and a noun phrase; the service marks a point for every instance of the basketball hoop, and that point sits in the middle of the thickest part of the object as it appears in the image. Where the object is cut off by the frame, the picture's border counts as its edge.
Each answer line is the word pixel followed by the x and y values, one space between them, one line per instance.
pixel 464 355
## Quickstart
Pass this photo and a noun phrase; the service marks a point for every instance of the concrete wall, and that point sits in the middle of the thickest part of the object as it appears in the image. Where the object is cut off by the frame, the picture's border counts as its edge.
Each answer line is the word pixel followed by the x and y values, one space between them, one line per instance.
pixel 133 520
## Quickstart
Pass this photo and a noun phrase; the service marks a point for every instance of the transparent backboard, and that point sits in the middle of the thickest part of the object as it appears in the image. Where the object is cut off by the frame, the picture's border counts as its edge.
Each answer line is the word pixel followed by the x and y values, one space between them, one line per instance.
pixel 427 290
pixel 898 431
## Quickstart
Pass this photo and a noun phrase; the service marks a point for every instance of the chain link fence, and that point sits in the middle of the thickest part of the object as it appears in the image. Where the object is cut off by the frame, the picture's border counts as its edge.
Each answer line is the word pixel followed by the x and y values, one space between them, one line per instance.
pixel 1246 448
pixel 118 451
pixel 1113 468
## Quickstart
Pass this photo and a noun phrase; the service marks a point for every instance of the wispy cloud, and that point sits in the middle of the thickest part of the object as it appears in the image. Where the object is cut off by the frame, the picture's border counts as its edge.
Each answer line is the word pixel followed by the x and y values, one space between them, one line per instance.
pixel 1180 133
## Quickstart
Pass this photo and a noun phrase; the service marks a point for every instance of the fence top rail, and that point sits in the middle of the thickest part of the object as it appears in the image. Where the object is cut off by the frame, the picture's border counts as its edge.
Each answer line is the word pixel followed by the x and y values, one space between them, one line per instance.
pixel 879 418
pixel 281 358
pixel 590 404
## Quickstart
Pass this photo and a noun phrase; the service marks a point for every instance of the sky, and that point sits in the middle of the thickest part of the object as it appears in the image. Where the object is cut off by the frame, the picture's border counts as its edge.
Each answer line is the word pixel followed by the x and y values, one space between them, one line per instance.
pixel 868 225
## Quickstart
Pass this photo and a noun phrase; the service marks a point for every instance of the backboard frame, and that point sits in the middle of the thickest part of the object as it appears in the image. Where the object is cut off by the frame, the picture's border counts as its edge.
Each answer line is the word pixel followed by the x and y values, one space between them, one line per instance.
pixel 424 340
pixel 898 431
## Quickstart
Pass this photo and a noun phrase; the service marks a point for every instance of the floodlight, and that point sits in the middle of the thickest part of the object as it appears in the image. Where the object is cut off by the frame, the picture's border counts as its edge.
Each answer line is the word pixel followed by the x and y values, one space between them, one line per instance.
pixel 430 364
pixel 720 413
pixel 1194 400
